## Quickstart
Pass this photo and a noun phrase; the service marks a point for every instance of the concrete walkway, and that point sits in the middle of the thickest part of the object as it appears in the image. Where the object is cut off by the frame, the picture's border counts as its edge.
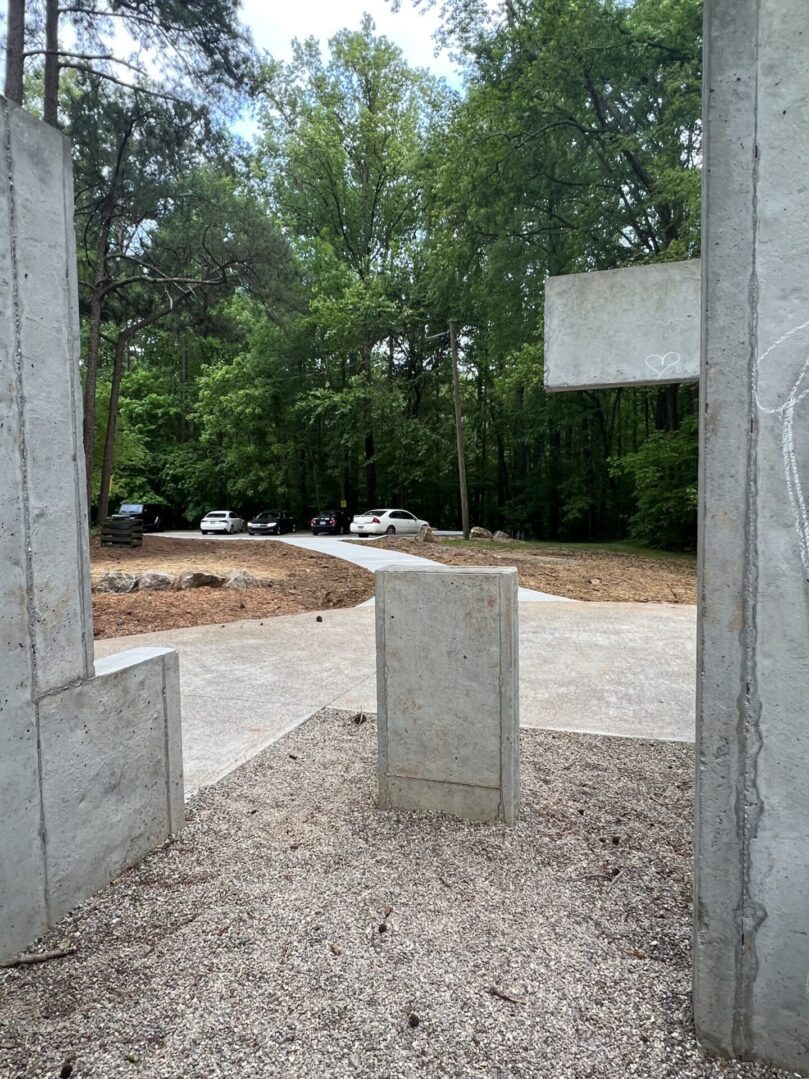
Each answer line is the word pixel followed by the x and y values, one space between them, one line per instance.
pixel 607 668
pixel 356 551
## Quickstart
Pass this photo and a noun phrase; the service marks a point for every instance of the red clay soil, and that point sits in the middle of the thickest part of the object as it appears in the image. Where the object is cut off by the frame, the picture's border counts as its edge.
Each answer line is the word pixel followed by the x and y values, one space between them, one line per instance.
pixel 572 572
pixel 295 580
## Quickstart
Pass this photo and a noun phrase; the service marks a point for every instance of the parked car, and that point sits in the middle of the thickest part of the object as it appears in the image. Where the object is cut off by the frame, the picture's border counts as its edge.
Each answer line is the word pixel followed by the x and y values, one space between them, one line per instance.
pixel 386 522
pixel 221 521
pixel 152 514
pixel 332 522
pixel 270 523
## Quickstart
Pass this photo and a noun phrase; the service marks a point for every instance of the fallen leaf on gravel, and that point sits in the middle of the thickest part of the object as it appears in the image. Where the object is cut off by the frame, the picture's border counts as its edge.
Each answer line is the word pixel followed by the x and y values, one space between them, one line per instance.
pixel 388 910
pixel 336 949
pixel 292 757
pixel 359 718
pixel 638 953
pixel 294 846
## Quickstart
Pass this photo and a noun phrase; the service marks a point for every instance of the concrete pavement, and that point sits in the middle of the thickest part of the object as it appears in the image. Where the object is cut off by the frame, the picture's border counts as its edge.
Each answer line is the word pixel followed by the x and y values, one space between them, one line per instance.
pixel 607 668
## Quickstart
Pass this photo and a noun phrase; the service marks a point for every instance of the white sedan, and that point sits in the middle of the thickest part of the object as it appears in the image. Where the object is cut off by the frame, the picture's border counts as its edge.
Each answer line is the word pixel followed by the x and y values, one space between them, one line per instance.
pixel 221 521
pixel 386 523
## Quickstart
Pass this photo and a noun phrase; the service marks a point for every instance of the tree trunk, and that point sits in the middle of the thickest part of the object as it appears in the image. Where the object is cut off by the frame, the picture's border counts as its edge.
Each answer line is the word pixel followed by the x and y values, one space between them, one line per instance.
pixel 121 348
pixel 370 448
pixel 15 47
pixel 50 109
pixel 93 342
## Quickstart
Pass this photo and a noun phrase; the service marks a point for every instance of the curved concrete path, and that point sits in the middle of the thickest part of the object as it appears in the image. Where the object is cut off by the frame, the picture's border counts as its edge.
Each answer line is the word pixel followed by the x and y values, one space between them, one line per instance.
pixel 606 668
pixel 374 558
pixel 356 551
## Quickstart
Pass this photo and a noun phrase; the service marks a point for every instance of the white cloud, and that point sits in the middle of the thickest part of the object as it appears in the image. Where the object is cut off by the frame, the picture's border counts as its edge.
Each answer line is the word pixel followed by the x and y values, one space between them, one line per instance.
pixel 274 25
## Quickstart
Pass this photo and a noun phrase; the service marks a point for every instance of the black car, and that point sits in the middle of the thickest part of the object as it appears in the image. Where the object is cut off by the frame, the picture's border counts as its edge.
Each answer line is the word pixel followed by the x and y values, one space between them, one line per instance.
pixel 152 515
pixel 332 522
pixel 270 523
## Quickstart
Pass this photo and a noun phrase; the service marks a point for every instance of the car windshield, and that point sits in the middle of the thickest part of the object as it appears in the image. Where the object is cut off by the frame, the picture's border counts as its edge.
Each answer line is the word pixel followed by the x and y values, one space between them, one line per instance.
pixel 267 515
pixel 131 507
pixel 217 514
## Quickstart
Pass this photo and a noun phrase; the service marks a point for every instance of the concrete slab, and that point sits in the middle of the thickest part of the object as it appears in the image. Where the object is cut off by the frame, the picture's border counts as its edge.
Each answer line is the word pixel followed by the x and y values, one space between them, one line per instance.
pixel 607 668
pixel 638 326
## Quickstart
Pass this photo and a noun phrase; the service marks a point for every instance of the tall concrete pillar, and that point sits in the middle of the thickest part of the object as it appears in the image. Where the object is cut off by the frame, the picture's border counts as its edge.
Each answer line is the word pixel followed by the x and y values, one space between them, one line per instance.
pixel 752 865
pixel 90 754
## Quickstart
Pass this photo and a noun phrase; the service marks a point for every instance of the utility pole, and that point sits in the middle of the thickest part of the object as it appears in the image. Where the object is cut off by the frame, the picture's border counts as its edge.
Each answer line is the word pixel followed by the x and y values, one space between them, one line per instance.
pixel 456 396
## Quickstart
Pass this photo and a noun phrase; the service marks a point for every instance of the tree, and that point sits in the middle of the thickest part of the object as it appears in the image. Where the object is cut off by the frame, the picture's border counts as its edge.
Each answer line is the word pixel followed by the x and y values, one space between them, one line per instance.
pixel 196 47
pixel 342 144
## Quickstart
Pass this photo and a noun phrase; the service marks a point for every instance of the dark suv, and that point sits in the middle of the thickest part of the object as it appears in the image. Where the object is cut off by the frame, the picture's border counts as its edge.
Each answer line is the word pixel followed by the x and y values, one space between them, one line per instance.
pixel 152 515
pixel 270 523
pixel 333 522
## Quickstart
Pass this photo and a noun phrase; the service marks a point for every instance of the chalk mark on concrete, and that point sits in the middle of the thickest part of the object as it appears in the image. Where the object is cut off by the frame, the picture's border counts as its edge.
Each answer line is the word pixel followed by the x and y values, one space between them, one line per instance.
pixel 661 365
pixel 786 412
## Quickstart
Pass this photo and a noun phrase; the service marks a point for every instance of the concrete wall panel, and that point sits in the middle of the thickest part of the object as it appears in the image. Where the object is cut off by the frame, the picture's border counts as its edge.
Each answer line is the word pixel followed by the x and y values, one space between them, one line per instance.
pixel 447 686
pixel 639 326
pixel 106 790
pixel 46 305
pixel 752 884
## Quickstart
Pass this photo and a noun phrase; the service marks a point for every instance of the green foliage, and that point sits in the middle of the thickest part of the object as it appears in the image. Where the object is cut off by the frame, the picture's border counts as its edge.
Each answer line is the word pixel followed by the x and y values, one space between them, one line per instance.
pixel 312 365
pixel 664 474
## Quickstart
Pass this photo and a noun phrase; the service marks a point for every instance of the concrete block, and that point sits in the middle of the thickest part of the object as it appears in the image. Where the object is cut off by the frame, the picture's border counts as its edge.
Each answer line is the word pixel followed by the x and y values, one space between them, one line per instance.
pixel 447 687
pixel 110 776
pixel 752 828
pixel 638 326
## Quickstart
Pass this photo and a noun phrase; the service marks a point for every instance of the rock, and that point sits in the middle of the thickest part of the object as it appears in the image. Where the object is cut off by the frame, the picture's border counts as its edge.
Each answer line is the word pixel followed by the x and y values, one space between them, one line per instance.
pixel 480 533
pixel 242 578
pixel 193 578
pixel 426 535
pixel 499 535
pixel 117 581
pixel 155 582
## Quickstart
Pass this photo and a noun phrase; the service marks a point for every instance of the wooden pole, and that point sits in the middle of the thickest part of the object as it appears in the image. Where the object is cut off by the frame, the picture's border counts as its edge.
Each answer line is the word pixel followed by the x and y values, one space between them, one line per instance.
pixel 456 396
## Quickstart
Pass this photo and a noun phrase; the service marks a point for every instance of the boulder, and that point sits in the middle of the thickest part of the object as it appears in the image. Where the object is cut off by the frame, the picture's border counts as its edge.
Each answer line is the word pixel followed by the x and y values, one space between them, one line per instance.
pixel 155 582
pixel 116 581
pixel 499 535
pixel 241 579
pixel 426 535
pixel 194 578
pixel 480 533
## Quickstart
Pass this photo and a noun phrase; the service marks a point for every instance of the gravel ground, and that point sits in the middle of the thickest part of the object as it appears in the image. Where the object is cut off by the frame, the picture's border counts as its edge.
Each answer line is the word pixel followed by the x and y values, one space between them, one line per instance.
pixel 294 930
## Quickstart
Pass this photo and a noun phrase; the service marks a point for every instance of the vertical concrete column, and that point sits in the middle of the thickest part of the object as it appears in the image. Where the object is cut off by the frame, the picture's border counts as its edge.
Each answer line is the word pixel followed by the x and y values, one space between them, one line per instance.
pixel 447 684
pixel 752 844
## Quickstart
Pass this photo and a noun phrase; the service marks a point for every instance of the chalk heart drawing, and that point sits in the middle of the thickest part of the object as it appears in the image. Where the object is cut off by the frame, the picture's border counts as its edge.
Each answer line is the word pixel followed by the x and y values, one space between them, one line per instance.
pixel 661 365
pixel 780 383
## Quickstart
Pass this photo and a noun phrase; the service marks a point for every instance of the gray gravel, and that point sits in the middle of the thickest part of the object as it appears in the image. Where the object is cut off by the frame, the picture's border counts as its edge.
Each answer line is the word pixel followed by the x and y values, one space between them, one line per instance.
pixel 295 930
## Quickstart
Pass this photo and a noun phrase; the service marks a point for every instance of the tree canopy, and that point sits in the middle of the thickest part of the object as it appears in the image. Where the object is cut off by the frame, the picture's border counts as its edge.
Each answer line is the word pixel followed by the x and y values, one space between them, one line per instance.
pixel 267 324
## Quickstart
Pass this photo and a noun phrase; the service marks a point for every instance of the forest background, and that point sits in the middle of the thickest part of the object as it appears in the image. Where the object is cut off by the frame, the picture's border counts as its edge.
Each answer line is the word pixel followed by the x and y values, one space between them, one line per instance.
pixel 264 323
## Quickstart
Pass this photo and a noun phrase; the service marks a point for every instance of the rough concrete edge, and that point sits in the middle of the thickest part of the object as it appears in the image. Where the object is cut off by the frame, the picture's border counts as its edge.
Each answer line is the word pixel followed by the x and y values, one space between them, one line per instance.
pixel 380 595
pixel 509 697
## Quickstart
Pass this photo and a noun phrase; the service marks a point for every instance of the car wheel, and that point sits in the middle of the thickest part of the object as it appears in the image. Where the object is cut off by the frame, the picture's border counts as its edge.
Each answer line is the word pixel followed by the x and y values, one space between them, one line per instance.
pixel 390 531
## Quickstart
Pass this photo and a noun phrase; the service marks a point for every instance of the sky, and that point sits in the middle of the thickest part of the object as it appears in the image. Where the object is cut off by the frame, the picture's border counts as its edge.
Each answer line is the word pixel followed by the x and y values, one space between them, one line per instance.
pixel 275 24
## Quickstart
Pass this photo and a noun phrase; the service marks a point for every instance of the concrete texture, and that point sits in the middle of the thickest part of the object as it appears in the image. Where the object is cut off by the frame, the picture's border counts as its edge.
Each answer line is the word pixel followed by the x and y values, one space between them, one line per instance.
pixel 640 325
pixel 602 668
pixel 110 790
pixel 752 947
pixel 73 808
pixel 448 711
